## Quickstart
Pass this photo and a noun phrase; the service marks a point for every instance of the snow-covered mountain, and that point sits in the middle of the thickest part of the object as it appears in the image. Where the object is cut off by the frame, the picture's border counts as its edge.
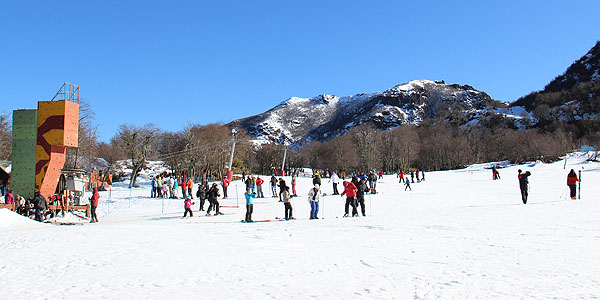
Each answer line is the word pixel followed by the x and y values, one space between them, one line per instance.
pixel 302 120
pixel 587 68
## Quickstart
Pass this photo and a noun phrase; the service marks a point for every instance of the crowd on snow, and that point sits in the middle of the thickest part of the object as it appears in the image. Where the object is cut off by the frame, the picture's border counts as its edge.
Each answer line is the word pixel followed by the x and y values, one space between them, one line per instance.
pixel 355 188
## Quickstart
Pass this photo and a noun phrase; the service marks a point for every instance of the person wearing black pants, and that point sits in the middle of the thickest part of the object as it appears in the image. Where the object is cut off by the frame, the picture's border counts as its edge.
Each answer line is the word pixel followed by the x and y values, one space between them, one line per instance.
pixel 286 203
pixel 524 185
pixel 360 195
pixel 213 199
pixel 249 204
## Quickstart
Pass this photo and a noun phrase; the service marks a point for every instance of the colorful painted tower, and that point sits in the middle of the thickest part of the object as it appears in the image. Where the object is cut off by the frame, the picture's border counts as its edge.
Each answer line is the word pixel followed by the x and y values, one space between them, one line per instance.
pixel 41 137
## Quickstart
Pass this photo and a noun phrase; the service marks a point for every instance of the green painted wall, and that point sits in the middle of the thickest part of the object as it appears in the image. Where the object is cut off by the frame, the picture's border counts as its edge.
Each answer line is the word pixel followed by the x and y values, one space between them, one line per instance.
pixel 24 129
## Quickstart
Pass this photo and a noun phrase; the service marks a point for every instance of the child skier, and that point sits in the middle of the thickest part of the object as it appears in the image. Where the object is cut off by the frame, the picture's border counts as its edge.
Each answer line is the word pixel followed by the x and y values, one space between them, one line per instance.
pixel 407 184
pixel 188 206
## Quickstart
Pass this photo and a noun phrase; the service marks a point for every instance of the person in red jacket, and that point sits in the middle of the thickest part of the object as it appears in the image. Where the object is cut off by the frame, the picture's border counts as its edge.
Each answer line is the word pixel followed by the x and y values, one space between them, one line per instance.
pixel 350 191
pixel 259 183
pixel 94 204
pixel 572 183
pixel 225 184
pixel 184 188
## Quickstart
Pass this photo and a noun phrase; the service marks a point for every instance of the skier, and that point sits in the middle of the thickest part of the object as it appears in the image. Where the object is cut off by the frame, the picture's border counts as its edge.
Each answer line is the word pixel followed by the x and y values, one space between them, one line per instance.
pixel 381 174
pixel 372 182
pixel 259 183
pixel 213 199
pixel 523 184
pixel 572 183
pixel 355 179
pixel 314 196
pixel 350 192
pixel 286 202
pixel 274 185
pixel 412 176
pixel 249 204
pixel 225 184
pixel 243 176
pixel 93 205
pixel 187 204
pixel 335 180
pixel 423 175
pixel 401 175
pixel 407 185
pixel 417 175
pixel 201 194
pixel 360 195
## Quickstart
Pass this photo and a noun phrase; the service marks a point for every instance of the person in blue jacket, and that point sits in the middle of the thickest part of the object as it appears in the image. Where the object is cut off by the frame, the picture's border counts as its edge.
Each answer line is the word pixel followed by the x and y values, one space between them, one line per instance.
pixel 249 204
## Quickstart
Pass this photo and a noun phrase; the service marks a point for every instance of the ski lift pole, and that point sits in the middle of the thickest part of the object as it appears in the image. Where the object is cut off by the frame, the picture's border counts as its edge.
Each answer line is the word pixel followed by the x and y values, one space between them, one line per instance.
pixel 236 197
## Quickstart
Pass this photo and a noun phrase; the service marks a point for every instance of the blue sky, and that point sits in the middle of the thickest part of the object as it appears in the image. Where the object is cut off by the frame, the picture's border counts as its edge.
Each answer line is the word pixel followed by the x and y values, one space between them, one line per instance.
pixel 175 63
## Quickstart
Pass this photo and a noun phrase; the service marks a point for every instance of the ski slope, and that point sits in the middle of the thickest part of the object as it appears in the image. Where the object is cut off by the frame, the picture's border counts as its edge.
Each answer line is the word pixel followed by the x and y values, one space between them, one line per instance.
pixel 457 235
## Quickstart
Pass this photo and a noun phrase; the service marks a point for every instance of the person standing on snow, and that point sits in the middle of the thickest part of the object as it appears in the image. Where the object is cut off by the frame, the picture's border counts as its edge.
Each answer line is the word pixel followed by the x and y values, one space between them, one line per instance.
pixel 287 204
pixel 350 192
pixel 184 188
pixel 282 188
pixel 248 182
pixel 187 204
pixel 316 178
pixel 335 180
pixel 274 185
pixel 314 196
pixel 259 183
pixel 190 186
pixel 94 205
pixel 294 178
pixel 249 204
pixel 213 199
pixel 153 192
pixel 401 175
pixel 524 184
pixel 201 194
pixel 225 184
pixel 39 204
pixel 572 183
pixel 360 195
pixel 372 177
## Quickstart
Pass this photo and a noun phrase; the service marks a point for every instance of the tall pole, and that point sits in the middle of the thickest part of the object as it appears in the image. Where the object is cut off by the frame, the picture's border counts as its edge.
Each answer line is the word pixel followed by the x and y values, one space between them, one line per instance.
pixel 283 163
pixel 229 172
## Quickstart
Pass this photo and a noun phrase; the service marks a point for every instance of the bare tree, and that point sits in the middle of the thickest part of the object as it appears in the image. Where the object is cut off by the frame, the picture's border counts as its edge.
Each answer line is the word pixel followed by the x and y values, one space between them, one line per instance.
pixel 138 142
pixel 87 140
pixel 5 137
pixel 111 153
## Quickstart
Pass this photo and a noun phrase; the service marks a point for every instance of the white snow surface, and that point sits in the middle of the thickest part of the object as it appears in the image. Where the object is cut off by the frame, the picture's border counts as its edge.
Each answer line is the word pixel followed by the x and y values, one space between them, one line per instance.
pixel 457 235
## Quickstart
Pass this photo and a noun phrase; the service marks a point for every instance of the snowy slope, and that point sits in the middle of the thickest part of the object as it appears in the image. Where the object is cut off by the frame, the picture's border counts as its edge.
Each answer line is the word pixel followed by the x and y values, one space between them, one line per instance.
pixel 300 120
pixel 457 235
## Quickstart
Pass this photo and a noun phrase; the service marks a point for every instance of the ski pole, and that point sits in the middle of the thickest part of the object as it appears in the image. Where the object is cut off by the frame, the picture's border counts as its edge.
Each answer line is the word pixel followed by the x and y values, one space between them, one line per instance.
pixel 236 197
pixel 564 193
pixel 370 207
pixel 579 186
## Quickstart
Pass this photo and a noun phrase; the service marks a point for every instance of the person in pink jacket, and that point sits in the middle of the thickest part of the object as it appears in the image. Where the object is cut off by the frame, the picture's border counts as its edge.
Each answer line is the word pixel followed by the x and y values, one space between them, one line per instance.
pixel 9 199
pixel 188 206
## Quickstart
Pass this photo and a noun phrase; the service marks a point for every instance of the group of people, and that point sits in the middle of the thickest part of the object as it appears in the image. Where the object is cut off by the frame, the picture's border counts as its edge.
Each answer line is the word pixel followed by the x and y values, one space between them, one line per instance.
pixel 168 186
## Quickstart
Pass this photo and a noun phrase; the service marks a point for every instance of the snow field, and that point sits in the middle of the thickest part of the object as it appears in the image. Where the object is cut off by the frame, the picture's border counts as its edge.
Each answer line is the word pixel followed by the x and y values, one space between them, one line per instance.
pixel 458 235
